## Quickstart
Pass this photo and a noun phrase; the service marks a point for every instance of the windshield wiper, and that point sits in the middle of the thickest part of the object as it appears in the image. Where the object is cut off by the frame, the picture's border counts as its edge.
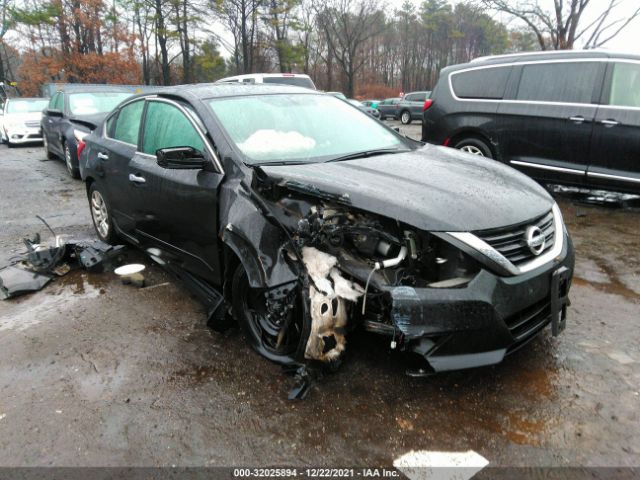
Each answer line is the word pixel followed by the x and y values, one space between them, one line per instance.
pixel 366 154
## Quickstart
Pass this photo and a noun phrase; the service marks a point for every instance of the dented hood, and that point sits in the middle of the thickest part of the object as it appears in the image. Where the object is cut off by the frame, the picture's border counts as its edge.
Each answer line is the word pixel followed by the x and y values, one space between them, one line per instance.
pixel 432 188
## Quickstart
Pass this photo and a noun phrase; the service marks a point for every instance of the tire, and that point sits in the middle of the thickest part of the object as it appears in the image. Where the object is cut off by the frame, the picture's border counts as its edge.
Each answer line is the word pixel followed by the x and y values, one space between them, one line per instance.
pixel 101 215
pixel 474 146
pixel 71 161
pixel 405 117
pixel 249 309
pixel 11 145
pixel 47 152
pixel 382 117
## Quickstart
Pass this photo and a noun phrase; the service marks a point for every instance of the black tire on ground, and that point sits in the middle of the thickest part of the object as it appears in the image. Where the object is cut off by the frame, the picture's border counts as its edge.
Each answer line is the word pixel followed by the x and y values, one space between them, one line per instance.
pixel 474 146
pixel 71 160
pixel 11 145
pixel 249 310
pixel 405 117
pixel 101 215
pixel 382 117
pixel 47 152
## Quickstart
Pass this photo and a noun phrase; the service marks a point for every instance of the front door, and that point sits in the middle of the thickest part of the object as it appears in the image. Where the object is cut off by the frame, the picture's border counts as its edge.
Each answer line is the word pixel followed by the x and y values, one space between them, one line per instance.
pixel 545 127
pixel 615 148
pixel 176 210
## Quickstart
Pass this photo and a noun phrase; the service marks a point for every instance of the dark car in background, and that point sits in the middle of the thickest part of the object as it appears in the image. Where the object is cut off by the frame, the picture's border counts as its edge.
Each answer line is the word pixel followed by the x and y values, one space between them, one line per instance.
pixel 565 117
pixel 306 217
pixel 411 106
pixel 389 108
pixel 73 113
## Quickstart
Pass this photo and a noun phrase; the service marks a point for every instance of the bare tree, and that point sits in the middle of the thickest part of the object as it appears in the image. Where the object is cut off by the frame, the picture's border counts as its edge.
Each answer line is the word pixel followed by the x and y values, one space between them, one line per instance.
pixel 348 24
pixel 559 24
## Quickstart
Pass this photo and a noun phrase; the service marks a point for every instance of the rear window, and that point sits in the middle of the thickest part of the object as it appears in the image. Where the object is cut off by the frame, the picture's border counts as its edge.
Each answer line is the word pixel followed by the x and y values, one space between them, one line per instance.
pixel 297 81
pixel 485 83
pixel 571 82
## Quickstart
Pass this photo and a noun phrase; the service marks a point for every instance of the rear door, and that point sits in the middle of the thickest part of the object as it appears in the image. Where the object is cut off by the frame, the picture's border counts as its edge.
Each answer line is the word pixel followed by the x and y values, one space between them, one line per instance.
pixel 547 122
pixel 117 149
pixel 615 147
pixel 177 210
pixel 416 104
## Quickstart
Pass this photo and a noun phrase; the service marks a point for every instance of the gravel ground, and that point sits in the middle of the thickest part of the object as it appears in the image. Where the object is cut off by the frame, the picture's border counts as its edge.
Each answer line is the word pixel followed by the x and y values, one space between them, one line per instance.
pixel 96 373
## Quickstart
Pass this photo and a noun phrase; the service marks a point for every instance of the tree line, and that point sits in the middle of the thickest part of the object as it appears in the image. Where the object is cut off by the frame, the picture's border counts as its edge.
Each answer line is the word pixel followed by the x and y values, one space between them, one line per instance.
pixel 361 47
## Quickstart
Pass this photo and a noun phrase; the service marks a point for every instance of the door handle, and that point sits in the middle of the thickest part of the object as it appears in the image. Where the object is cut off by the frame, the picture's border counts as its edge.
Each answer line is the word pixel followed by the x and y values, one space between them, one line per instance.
pixel 136 179
pixel 609 123
pixel 103 156
pixel 577 119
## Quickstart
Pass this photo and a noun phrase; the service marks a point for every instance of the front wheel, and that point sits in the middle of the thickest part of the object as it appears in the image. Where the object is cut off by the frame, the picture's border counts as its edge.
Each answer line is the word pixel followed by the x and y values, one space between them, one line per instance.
pixel 474 146
pixel 47 152
pixel 273 328
pixel 101 215
pixel 405 117
pixel 71 161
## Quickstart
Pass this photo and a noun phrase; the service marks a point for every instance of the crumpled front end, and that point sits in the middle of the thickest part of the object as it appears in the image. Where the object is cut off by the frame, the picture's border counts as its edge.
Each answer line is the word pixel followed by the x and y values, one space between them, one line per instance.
pixel 456 300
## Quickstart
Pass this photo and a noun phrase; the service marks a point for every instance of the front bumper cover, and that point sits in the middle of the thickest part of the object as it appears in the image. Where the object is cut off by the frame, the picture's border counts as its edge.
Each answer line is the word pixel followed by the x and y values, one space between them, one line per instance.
pixel 456 328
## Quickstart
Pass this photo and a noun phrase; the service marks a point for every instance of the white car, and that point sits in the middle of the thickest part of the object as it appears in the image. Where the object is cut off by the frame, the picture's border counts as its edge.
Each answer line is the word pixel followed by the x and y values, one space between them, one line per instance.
pixel 20 120
pixel 296 79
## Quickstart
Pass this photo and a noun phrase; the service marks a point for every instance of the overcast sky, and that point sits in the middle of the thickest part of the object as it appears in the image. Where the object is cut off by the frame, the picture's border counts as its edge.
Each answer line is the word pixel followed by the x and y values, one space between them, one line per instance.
pixel 628 41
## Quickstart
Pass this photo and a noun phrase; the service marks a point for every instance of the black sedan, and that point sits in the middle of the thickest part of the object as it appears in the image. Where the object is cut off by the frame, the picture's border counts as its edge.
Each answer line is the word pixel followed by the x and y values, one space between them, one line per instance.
pixel 303 224
pixel 72 114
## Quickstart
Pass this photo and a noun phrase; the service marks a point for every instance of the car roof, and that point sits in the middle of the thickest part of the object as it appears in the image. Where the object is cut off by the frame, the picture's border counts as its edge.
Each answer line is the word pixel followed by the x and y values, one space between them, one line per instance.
pixel 203 91
pixel 264 75
pixel 81 88
pixel 546 55
pixel 27 98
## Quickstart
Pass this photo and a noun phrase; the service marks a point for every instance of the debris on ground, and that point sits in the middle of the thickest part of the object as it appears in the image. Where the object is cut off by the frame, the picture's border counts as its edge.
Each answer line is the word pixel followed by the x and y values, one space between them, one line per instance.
pixel 35 268
pixel 597 197
pixel 131 274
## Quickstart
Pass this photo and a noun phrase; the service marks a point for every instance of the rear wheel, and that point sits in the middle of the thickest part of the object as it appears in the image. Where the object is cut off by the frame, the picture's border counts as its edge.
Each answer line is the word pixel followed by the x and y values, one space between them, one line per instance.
pixel 274 335
pixel 101 215
pixel 71 161
pixel 474 146
pixel 405 117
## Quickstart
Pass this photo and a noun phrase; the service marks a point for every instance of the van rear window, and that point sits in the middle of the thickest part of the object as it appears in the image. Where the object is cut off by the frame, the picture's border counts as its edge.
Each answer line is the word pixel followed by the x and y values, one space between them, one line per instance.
pixel 484 83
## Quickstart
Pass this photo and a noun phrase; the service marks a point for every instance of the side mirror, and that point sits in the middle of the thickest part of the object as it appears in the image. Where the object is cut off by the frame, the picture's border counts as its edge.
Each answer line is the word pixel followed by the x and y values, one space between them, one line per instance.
pixel 181 158
pixel 53 112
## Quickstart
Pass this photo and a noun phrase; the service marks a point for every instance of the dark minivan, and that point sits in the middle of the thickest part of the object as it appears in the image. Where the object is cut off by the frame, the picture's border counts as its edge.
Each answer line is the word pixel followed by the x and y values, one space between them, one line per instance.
pixel 568 117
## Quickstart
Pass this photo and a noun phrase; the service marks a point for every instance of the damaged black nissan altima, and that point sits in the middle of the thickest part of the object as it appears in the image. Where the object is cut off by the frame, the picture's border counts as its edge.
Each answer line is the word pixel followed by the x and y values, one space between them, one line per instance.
pixel 303 218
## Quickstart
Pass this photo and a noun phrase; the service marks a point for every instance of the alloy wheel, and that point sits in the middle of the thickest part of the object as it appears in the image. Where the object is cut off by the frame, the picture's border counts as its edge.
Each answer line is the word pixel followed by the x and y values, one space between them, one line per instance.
pixel 406 118
pixel 67 158
pixel 100 214
pixel 472 149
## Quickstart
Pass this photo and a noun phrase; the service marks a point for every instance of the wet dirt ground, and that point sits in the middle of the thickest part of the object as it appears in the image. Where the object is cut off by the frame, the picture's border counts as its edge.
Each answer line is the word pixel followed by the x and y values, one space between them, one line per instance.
pixel 93 372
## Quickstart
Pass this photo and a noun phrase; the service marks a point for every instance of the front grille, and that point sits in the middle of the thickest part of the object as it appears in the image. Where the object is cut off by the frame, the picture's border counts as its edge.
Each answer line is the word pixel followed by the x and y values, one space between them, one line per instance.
pixel 525 324
pixel 511 241
pixel 33 124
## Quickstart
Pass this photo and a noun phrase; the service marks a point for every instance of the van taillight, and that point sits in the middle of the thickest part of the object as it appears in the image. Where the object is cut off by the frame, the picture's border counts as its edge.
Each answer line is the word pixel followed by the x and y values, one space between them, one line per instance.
pixel 428 102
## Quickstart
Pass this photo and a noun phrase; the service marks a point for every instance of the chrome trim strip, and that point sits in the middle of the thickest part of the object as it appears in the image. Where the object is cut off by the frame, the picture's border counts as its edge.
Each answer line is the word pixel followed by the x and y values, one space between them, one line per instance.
pixel 487 250
pixel 547 167
pixel 614 177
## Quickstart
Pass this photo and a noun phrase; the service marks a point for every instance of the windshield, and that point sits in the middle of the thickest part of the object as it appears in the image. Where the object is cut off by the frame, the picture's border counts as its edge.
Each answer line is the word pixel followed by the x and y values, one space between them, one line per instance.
pixel 95 102
pixel 27 106
pixel 300 128
pixel 297 81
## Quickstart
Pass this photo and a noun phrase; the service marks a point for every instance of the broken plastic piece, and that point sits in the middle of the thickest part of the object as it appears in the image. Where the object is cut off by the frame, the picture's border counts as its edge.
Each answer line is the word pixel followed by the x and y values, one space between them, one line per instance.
pixel 131 274
pixel 16 281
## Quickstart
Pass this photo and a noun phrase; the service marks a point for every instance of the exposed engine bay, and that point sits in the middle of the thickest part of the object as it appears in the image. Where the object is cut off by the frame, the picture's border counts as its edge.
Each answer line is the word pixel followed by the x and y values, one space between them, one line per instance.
pixel 352 258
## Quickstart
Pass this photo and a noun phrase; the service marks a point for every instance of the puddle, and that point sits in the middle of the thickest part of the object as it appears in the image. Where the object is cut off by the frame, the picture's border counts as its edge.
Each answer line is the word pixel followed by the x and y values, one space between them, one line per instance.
pixel 57 298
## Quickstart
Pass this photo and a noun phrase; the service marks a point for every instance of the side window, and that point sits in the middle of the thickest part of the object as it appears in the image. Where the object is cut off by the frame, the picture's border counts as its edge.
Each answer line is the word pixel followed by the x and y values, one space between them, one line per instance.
pixel 484 83
pixel 59 105
pixel 166 126
pixel 52 102
pixel 625 85
pixel 571 82
pixel 128 123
